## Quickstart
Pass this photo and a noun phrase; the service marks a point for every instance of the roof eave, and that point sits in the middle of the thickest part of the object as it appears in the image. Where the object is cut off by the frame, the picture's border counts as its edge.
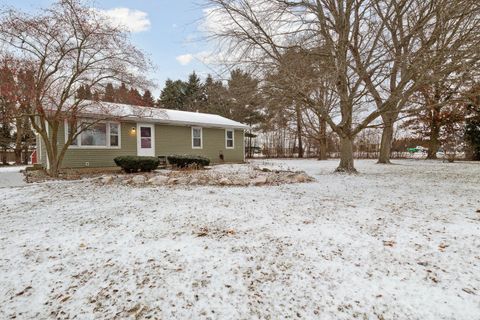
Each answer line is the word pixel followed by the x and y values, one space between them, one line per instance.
pixel 189 123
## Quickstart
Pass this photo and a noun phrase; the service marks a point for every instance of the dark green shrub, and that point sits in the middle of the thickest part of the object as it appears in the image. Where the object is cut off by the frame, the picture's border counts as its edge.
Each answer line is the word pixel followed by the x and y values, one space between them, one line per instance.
pixel 134 164
pixel 185 161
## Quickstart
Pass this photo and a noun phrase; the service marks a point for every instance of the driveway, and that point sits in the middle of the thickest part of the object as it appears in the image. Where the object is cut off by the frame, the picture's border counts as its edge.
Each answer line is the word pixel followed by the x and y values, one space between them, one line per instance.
pixel 12 177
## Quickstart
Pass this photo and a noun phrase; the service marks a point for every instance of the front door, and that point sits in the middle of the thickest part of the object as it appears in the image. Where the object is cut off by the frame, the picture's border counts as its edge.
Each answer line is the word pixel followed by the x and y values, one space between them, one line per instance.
pixel 146 140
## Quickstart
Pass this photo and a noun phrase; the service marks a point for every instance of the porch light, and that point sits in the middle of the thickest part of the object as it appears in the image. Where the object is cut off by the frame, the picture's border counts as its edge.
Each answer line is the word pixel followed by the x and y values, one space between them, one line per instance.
pixel 133 131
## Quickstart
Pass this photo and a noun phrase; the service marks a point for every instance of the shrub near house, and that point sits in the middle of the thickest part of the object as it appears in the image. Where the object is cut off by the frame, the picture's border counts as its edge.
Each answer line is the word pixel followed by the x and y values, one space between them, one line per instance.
pixel 131 164
pixel 184 161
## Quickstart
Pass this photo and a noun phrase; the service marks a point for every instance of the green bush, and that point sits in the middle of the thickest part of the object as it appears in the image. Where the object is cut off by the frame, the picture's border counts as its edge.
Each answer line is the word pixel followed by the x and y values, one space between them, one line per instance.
pixel 184 161
pixel 134 164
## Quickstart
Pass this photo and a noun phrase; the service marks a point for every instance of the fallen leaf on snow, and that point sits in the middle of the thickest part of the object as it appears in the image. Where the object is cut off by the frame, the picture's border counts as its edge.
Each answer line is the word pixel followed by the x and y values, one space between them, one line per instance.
pixel 23 291
pixel 467 290
pixel 442 246
pixel 389 243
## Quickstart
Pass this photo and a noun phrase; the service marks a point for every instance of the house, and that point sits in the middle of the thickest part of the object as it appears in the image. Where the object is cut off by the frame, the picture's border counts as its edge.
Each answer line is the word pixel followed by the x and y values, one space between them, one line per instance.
pixel 120 130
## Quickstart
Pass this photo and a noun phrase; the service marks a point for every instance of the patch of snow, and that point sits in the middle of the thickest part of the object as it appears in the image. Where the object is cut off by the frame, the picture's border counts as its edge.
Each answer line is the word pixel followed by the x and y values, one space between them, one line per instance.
pixel 12 168
pixel 10 176
pixel 395 241
pixel 159 115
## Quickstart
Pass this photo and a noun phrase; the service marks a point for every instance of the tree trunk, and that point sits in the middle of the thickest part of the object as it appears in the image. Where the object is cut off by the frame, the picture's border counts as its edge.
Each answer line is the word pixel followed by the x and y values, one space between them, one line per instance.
pixel 4 156
pixel 299 132
pixel 387 137
pixel 53 171
pixel 18 155
pixel 386 144
pixel 346 155
pixel 434 143
pixel 322 152
pixel 19 126
pixel 26 155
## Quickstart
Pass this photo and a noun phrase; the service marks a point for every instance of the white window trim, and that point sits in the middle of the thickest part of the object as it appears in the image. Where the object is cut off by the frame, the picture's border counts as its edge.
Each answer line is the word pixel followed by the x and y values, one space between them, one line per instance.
pixel 226 139
pixel 119 133
pixel 79 138
pixel 201 137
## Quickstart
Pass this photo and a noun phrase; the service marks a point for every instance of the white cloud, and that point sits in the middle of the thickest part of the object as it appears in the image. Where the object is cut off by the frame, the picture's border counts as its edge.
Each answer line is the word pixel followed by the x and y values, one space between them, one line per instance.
pixel 184 59
pixel 131 19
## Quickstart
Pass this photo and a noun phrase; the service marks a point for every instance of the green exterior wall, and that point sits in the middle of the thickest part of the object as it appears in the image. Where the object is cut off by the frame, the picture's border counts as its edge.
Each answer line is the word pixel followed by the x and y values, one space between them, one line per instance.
pixel 169 139
pixel 178 140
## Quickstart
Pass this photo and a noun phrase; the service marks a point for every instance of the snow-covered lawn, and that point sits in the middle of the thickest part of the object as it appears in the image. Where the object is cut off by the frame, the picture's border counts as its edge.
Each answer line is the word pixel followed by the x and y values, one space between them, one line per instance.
pixel 394 242
pixel 11 176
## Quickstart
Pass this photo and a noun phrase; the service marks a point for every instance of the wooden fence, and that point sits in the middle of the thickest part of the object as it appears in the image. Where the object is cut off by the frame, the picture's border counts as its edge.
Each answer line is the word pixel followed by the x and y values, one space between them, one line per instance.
pixel 9 157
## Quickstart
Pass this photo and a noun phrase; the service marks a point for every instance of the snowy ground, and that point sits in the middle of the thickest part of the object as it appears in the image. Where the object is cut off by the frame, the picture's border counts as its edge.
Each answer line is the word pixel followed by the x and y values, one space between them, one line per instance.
pixel 394 242
pixel 11 176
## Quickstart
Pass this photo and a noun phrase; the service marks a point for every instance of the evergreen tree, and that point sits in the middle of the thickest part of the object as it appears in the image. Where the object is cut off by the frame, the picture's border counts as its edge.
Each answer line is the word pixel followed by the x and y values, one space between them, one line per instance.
pixel 472 127
pixel 88 93
pixel 84 93
pixel 134 97
pixel 147 99
pixel 244 96
pixel 122 94
pixel 194 95
pixel 81 92
pixel 173 95
pixel 216 97
pixel 109 95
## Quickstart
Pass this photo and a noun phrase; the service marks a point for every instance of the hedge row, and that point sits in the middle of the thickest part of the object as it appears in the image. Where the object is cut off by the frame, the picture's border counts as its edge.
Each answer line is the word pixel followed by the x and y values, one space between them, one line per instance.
pixel 134 164
pixel 185 161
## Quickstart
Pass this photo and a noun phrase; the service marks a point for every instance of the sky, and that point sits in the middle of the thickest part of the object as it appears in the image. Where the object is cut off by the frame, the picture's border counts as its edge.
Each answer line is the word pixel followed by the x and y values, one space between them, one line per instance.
pixel 166 30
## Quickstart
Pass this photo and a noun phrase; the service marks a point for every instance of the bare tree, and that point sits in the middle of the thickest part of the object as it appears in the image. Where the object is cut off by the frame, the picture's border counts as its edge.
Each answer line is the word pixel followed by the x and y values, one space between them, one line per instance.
pixel 376 51
pixel 68 45
pixel 15 91
pixel 264 30
pixel 420 43
pixel 299 74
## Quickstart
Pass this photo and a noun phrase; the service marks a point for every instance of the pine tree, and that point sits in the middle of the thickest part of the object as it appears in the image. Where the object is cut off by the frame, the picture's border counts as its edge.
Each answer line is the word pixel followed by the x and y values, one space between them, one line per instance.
pixel 81 93
pixel 173 95
pixel 245 98
pixel 109 95
pixel 472 125
pixel 216 97
pixel 134 97
pixel 147 99
pixel 88 93
pixel 122 94
pixel 194 95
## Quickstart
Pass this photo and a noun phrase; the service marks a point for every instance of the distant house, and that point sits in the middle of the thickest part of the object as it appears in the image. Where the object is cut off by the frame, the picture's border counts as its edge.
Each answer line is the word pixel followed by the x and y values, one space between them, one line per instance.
pixel 142 131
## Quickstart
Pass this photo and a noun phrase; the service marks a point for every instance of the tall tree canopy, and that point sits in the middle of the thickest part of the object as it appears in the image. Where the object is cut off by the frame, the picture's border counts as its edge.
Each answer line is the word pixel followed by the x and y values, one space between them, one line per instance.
pixel 68 45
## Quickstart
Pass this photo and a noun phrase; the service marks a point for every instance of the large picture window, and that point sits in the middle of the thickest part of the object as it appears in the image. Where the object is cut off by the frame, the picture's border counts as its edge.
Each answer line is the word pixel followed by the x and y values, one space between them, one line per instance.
pixel 197 138
pixel 96 135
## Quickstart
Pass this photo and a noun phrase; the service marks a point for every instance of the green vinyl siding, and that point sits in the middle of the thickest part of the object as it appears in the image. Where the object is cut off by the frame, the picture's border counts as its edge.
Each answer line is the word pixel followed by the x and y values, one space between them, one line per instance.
pixel 168 140
pixel 78 157
pixel 41 152
pixel 178 140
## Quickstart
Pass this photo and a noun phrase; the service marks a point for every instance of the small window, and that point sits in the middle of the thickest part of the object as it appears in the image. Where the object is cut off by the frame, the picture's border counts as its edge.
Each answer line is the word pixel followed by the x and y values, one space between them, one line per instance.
pixel 229 144
pixel 114 140
pixel 196 138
